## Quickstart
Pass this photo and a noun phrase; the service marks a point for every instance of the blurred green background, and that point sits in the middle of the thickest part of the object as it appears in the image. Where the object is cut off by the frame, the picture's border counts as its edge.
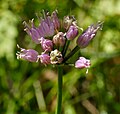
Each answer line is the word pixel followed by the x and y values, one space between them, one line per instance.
pixel 31 88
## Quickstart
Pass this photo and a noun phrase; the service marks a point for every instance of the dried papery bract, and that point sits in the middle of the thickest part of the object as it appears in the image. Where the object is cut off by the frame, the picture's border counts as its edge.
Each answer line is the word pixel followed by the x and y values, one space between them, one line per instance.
pixel 56 57
pixel 68 21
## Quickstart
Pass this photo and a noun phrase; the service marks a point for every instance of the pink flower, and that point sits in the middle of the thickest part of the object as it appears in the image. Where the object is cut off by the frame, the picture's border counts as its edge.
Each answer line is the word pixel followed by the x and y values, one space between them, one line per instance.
pixel 29 54
pixel 87 35
pixel 45 59
pixel 55 20
pixel 46 28
pixel 82 63
pixel 32 31
pixel 72 32
pixel 46 44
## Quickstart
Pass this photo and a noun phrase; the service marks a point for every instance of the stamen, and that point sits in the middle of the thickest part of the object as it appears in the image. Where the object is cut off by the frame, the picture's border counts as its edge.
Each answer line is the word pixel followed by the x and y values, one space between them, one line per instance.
pixel 18 46
pixel 32 23
pixel 26 25
pixel 21 49
pixel 100 24
pixel 18 55
pixel 87 71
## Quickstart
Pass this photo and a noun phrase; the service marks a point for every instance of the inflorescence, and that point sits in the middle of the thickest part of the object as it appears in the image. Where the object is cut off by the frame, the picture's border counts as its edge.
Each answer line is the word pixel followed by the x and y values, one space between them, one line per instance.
pixel 54 36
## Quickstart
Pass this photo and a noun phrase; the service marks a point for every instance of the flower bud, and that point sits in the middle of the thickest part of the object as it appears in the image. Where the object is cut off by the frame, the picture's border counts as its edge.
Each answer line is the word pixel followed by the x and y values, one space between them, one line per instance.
pixel 72 32
pixel 59 39
pixel 46 44
pixel 45 59
pixel 55 20
pixel 55 57
pixel 88 35
pixel 29 55
pixel 82 63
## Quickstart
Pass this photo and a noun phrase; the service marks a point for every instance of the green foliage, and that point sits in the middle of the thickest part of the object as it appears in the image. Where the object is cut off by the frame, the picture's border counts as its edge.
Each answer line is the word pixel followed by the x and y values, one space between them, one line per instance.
pixel 27 88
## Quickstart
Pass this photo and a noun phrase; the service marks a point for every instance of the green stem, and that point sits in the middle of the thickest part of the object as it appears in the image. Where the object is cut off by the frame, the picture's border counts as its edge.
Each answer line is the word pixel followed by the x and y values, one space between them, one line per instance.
pixel 71 53
pixel 59 97
pixel 66 47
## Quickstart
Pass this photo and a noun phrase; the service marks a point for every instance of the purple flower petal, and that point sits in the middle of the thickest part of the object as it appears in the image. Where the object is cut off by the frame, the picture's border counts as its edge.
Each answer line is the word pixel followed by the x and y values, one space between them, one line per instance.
pixel 72 32
pixel 82 63
pixel 45 59
pixel 29 55
pixel 88 35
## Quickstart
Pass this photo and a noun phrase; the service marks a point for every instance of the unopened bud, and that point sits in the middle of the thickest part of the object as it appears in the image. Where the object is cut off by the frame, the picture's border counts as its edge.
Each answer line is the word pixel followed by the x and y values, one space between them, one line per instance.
pixel 59 39
pixel 46 44
pixel 44 58
pixel 72 32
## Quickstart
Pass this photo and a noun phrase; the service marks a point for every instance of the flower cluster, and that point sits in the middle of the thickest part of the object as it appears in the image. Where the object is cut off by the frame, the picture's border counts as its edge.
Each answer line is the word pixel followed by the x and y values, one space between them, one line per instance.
pixel 53 35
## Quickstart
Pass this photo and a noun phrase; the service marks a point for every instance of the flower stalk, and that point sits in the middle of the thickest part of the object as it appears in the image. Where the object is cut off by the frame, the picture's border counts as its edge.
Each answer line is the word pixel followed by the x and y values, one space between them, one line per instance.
pixel 65 47
pixel 71 53
pixel 59 96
